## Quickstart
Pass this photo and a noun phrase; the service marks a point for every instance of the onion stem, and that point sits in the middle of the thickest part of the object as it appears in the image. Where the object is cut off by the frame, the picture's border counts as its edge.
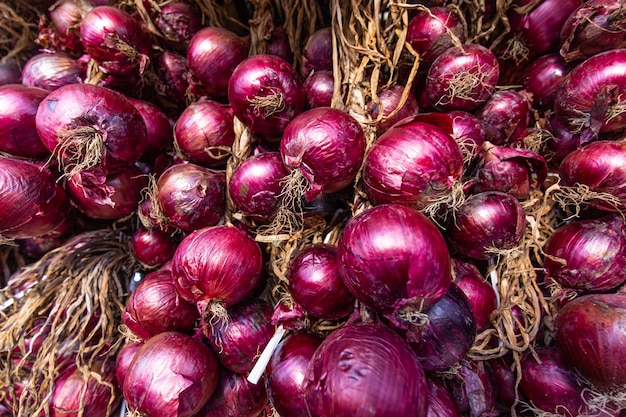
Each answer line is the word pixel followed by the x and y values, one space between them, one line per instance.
pixel 261 363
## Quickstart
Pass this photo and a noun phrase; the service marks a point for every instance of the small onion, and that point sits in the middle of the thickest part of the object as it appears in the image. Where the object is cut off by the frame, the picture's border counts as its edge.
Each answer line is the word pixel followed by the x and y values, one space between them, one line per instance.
pixel 480 294
pixel 66 16
pixel 485 222
pixel 155 306
pixel 430 32
pixel 159 136
pixel 317 53
pixel 389 102
pixel 266 93
pixel 365 369
pixel 178 21
pixel 504 116
pixel 543 77
pixel 124 358
pixel 172 70
pixel 204 133
pixel 319 88
pixel 468 132
pixel 440 401
pixel 171 374
pixel 51 71
pixel 152 247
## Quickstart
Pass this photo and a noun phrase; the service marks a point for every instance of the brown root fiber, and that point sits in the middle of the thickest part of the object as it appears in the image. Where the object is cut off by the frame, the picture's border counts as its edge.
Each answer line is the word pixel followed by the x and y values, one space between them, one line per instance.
pixel 78 296
pixel 80 149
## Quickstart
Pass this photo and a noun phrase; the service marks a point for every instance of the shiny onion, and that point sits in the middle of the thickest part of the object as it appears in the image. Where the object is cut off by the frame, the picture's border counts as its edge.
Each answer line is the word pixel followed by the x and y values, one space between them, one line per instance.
pixel 319 88
pixel 316 285
pixel 117 41
pixel 123 359
pixel 172 374
pixel 462 78
pixel 178 22
pixel 588 254
pixel 480 294
pixel 266 93
pixel 365 369
pixel 413 163
pixel 159 135
pixel 468 132
pixel 66 16
pixel 326 146
pixel 504 116
pixel 317 53
pixel 486 222
pixel 431 31
pixel 440 401
pixel 394 260
pixel 152 247
pixel 212 55
pixel 18 108
pixel 88 126
pixel 51 71
pixel 589 330
pixel 204 133
pixel 238 340
pixel 387 110
pixel 543 77
pixel 155 306
pixel 216 267
pixel 284 379
pixel 190 197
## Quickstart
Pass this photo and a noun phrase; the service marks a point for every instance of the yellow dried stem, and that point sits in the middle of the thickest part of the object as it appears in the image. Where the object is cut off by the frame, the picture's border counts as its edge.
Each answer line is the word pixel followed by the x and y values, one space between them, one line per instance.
pixel 18 30
pixel 222 13
pixel 240 150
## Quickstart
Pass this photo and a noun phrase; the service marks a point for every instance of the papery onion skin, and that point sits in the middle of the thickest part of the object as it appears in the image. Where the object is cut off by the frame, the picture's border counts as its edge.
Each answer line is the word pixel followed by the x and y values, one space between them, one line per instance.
pixel 392 257
pixel 491 220
pixel 413 163
pixel 65 17
pixel 590 331
pixel 203 132
pixel 171 374
pixel 468 132
pixel 315 282
pixel 504 116
pixel 319 89
pixel 543 77
pixel 473 388
pixel 327 146
pixel 479 292
pixel 588 254
pixel 155 306
pixel 430 32
pixel 388 101
pixel 191 197
pixel 51 71
pixel 172 70
pixel 152 247
pixel 178 22
pixel 365 369
pixel 266 93
pixel 440 401
pixel 284 379
pixel 238 340
pixel 18 109
pixel 159 135
pixel 317 52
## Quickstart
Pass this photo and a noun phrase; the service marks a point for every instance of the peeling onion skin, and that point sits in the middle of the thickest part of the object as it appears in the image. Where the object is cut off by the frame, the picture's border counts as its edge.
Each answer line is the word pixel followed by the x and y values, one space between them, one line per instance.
pixel 504 117
pixel 365 370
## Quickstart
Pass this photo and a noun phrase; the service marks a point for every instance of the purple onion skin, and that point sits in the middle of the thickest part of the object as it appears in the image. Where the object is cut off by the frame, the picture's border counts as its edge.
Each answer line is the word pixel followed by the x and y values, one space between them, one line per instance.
pixel 593 254
pixel 172 69
pixel 589 330
pixel 159 135
pixel 234 396
pixel 468 132
pixel 152 247
pixel 266 78
pixel 449 332
pixel 543 77
pixel 284 380
pixel 485 221
pixel 365 369
pixel 10 72
pixel 413 163
pixel 178 22
pixel 504 117
pixel 473 389
pixel 51 71
pixel 392 257
pixel 388 101
pixel 430 32
pixel 315 283
pixel 480 294
pixel 155 306
pixel 317 53
pixel 505 381
pixel 601 166
pixel 238 341
pixel 171 374
pixel 455 69
pixel 124 358
pixel 327 146
pixel 319 88
pixel 440 401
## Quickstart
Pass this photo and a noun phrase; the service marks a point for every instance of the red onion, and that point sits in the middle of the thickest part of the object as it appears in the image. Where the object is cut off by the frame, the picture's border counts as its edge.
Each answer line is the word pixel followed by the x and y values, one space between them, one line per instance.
pixel 152 247
pixel 178 22
pixel 89 126
pixel 389 102
pixel 509 170
pixel 190 196
pixel 589 330
pixel 18 107
pixel 562 143
pixel 595 26
pixel 112 197
pixel 601 166
pixel 365 369
pixel 235 397
pixel 238 340
pixel 204 133
pixel 150 217
pixel 35 247
pixel 212 55
pixel 51 71
pixel 172 374
pixel 33 202
pixel 172 71
pixel 155 306
pixel 505 380
pixel 10 72
pixel 473 389
pixel 216 267
pixel 430 32
pixel 543 77
pixel 414 163
pixel 256 185
pixel 588 254
pixel 284 380
pixel 504 116
pixel 462 78
pixel 468 132
pixel 317 53
pixel 592 95
pixel 315 283
pixel 159 135
pixel 115 40
pixel 440 401
pixel 266 93
pixel 319 88
pixel 124 357
pixel 278 44
pixel 485 222
pixel 480 294
pixel 66 16
pixel 394 260
pixel 326 146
